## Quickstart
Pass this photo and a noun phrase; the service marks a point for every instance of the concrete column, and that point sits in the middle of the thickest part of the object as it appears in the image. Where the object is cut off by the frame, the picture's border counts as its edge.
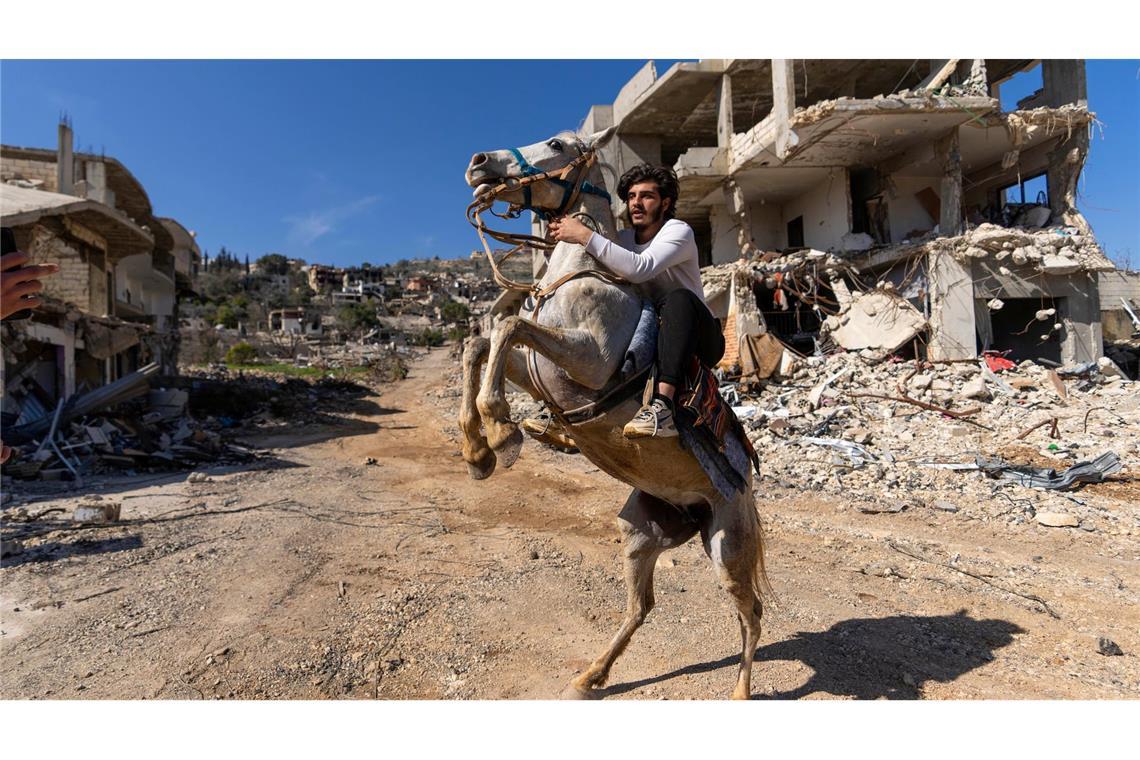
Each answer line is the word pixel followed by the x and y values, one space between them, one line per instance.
pixel 1065 164
pixel 951 308
pixel 950 218
pixel 737 208
pixel 1064 82
pixel 65 162
pixel 724 114
pixel 1083 340
pixel 68 360
pixel 784 104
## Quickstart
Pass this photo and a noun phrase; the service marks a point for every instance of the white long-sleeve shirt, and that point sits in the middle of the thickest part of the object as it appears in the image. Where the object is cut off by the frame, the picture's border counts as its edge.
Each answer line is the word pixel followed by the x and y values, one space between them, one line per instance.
pixel 667 262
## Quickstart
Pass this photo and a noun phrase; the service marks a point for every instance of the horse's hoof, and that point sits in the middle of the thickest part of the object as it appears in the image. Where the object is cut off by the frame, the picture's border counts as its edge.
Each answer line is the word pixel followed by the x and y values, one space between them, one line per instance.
pixel 483 466
pixel 508 451
pixel 578 693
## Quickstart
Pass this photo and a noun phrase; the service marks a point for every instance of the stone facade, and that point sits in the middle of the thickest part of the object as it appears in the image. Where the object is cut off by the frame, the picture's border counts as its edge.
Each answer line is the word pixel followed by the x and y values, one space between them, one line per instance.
pixel 30 169
pixel 73 283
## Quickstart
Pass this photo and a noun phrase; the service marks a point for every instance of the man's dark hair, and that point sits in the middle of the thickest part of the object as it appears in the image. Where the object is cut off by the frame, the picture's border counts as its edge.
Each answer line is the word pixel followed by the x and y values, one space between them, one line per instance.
pixel 662 176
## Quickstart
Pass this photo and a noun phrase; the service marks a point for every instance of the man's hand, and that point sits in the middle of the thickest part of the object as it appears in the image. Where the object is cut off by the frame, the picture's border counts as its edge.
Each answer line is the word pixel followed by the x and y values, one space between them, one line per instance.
pixel 567 229
pixel 17 280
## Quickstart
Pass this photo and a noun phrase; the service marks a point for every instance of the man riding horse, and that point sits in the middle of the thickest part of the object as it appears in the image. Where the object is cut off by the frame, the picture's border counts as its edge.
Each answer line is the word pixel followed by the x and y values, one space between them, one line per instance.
pixel 659 253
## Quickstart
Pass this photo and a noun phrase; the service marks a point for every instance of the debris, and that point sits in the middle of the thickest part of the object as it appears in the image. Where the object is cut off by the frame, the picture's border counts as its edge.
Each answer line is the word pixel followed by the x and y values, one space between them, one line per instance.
pixel 856 454
pixel 1055 263
pixel 976 389
pixel 1108 368
pixel 125 388
pixel 815 398
pixel 996 362
pixel 1052 432
pixel 1058 383
pixel 1032 477
pixel 1108 647
pixel 944 506
pixel 1057 520
pixel 95 510
pixel 879 508
pixel 874 320
pixel 371 461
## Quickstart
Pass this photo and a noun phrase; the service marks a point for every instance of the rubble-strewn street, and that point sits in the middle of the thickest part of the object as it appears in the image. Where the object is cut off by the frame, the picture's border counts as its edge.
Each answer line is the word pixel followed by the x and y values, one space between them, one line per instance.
pixel 311 573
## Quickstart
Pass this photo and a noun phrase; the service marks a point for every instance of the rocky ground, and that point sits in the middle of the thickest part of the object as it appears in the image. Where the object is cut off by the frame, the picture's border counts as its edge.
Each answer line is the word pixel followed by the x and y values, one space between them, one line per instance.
pixel 310 573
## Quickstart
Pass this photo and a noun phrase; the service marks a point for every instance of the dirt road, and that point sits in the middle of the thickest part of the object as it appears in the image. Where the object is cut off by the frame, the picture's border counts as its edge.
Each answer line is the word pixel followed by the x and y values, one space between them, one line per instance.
pixel 316 575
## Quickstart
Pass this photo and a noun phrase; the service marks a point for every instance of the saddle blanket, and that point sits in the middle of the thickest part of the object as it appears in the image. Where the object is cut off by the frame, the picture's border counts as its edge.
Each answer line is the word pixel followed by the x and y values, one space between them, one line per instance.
pixel 706 424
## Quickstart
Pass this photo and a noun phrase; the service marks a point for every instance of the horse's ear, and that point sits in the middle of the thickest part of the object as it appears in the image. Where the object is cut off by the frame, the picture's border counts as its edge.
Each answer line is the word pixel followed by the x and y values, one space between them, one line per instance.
pixel 598 139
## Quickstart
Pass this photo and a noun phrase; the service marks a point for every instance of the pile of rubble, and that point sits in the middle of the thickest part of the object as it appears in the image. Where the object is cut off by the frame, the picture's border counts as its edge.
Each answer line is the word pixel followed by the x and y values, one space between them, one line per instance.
pixel 183 423
pixel 974 437
pixel 124 425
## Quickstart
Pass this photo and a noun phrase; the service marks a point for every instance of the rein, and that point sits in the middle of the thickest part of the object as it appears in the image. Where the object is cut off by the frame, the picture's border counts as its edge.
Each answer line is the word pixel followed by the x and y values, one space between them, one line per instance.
pixel 531 175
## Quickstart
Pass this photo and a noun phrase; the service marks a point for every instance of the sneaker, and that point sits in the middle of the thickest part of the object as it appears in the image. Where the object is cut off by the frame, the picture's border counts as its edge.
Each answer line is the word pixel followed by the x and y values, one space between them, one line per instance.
pixel 652 420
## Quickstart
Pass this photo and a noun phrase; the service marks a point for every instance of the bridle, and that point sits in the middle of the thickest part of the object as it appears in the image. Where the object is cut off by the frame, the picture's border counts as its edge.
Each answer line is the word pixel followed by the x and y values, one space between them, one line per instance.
pixel 531 174
pixel 571 191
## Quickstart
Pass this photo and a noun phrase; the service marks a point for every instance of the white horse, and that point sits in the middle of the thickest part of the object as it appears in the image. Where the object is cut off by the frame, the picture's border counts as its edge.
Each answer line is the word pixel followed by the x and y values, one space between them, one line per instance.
pixel 577 343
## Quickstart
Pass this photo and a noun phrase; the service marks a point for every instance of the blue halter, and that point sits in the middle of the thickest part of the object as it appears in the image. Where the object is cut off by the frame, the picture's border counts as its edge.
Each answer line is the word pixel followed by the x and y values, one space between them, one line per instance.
pixel 529 170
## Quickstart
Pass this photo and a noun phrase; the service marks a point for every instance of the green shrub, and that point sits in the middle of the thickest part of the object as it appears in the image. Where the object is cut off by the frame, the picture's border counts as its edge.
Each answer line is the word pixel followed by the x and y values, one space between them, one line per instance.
pixel 428 337
pixel 241 353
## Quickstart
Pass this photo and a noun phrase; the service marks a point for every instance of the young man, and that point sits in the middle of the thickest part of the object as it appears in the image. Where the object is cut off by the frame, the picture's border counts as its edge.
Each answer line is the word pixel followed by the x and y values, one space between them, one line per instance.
pixel 659 252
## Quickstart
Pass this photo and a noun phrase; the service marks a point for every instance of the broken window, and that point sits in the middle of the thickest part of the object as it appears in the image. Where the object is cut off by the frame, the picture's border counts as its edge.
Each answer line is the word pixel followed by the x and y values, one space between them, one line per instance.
pixel 1030 190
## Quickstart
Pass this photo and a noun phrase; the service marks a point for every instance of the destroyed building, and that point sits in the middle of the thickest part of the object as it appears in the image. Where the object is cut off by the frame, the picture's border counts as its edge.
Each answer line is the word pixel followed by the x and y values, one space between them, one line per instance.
pixel 112 307
pixel 818 184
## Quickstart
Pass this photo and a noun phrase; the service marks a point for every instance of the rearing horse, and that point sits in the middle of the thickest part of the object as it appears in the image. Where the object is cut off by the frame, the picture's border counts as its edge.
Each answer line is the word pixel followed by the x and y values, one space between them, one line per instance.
pixel 575 345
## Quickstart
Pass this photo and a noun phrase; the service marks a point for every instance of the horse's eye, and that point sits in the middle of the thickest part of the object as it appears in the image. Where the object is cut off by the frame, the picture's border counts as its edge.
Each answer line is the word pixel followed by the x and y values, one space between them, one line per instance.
pixel 556 144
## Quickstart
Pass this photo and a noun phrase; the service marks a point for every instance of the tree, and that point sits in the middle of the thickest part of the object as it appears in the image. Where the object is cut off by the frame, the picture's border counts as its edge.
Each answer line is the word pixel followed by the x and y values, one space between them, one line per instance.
pixel 454 312
pixel 273 264
pixel 357 317
pixel 226 316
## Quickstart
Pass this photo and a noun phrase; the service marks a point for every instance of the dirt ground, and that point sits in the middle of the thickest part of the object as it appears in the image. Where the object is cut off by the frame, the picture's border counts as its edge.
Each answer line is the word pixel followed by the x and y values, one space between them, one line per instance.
pixel 315 575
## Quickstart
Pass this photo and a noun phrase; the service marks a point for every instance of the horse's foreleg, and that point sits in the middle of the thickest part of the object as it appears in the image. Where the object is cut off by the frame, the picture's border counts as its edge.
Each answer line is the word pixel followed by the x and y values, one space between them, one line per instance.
pixel 478 455
pixel 476 452
pixel 575 350
pixel 648 527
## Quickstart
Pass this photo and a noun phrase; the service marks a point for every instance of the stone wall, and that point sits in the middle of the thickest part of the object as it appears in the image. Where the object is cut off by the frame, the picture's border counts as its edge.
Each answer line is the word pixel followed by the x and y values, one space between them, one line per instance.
pixel 1116 285
pixel 73 282
pixel 24 168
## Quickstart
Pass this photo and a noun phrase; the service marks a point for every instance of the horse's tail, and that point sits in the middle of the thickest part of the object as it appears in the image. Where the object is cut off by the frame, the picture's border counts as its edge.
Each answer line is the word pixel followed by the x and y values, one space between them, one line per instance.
pixel 761 587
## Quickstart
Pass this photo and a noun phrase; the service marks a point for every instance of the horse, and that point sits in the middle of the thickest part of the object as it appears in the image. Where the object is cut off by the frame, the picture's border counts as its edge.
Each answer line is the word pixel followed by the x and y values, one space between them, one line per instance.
pixel 574 331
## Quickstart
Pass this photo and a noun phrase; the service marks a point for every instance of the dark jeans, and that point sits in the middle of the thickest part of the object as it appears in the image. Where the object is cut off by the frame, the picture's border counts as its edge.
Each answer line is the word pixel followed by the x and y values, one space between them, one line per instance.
pixel 687 328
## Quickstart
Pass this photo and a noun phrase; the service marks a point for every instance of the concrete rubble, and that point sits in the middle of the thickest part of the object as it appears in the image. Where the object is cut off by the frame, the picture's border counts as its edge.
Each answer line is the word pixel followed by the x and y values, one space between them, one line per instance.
pixel 854 428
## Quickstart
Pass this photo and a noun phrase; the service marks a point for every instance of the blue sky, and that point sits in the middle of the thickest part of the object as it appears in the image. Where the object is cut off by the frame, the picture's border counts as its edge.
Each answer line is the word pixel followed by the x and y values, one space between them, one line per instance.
pixel 347 161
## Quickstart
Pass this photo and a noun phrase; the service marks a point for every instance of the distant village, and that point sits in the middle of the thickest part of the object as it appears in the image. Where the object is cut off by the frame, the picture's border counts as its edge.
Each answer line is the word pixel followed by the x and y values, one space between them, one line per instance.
pixel 135 291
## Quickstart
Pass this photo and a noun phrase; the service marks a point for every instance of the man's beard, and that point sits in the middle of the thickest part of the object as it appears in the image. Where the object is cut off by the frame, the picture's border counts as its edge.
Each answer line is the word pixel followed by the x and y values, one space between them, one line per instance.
pixel 648 220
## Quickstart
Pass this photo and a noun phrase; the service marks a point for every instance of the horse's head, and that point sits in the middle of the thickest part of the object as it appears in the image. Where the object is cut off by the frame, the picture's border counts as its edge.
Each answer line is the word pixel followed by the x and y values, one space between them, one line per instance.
pixel 489 169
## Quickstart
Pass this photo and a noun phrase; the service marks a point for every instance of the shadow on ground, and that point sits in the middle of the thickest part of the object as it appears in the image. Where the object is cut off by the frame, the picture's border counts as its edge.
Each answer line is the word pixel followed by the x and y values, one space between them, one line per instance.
pixel 60 550
pixel 870 658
